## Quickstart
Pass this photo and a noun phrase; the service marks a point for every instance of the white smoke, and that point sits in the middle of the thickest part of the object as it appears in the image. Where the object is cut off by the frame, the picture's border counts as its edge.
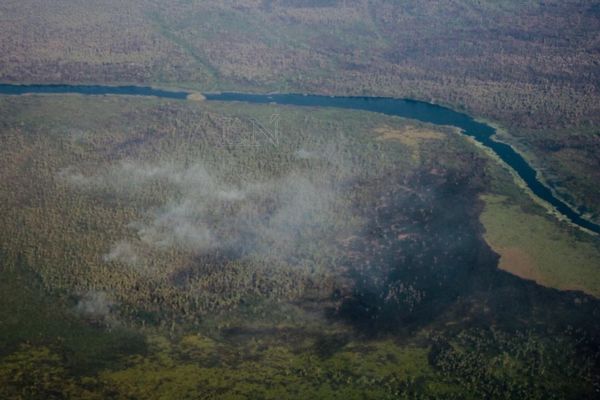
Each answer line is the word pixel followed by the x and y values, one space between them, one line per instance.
pixel 95 305
pixel 123 252
pixel 204 211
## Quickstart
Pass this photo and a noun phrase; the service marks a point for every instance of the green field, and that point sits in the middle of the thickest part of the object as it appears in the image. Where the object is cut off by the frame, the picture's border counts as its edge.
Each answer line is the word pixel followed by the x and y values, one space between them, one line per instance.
pixel 535 247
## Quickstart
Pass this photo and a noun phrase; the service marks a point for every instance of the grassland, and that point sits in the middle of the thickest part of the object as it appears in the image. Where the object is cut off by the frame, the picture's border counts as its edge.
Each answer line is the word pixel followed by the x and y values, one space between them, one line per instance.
pixel 410 137
pixel 533 247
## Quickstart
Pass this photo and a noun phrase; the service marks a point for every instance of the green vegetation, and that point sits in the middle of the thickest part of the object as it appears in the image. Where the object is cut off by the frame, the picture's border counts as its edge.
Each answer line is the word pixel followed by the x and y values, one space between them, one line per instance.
pixel 519 365
pixel 568 161
pixel 379 370
pixel 27 315
pixel 535 247
pixel 197 366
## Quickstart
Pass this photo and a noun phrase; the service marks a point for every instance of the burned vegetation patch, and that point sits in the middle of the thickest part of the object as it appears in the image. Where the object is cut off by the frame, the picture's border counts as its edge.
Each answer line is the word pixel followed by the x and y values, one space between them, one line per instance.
pixel 421 261
pixel 419 252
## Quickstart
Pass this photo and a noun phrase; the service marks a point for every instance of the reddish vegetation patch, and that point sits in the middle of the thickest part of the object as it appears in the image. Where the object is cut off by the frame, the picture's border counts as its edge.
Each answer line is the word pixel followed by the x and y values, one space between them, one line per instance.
pixel 519 263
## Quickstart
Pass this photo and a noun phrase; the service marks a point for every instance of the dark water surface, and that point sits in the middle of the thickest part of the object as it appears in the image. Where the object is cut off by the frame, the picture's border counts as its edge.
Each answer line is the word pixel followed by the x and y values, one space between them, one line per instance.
pixel 421 111
pixel 92 90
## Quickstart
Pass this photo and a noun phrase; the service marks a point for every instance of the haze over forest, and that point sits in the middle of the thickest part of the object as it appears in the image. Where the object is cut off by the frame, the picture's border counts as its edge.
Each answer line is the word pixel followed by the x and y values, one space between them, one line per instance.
pixel 164 247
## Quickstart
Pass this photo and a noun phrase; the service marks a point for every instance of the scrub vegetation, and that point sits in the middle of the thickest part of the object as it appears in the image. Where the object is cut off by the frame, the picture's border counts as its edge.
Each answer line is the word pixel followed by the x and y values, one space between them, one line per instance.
pixel 172 249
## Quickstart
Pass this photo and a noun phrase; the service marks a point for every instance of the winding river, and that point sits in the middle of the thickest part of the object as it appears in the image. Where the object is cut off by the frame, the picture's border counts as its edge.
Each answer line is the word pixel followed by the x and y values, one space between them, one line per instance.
pixel 421 111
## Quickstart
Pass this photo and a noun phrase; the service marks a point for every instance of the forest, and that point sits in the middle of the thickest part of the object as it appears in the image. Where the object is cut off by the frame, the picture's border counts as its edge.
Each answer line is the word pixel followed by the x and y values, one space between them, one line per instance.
pixel 529 66
pixel 182 249
pixel 155 250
